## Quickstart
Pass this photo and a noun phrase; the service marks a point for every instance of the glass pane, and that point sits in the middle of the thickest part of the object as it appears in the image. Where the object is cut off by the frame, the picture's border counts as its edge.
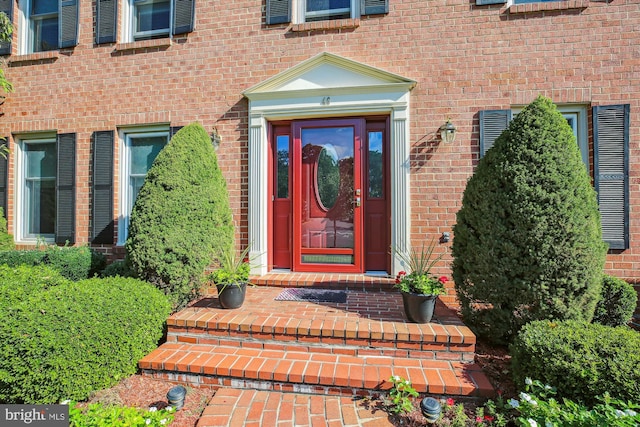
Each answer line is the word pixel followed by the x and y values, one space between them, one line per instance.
pixel 45 34
pixel 144 151
pixel 39 7
pixel 322 5
pixel 282 144
pixel 40 207
pixel 152 16
pixel 375 158
pixel 136 185
pixel 327 179
pixel 41 160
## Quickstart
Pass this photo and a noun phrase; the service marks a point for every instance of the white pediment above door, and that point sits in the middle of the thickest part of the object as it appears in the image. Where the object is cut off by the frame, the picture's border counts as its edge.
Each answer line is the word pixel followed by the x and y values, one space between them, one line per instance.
pixel 329 72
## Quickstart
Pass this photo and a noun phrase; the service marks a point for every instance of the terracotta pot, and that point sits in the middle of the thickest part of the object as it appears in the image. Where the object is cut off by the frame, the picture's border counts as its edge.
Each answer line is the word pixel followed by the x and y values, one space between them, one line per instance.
pixel 419 307
pixel 231 296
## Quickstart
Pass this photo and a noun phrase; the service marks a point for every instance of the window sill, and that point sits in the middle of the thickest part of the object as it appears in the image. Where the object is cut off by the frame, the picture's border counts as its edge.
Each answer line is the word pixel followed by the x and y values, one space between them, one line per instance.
pixel 32 57
pixel 551 5
pixel 144 44
pixel 334 24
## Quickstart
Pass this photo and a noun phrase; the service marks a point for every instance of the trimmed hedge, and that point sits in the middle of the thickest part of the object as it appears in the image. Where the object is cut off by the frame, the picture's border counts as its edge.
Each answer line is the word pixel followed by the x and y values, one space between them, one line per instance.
pixel 581 360
pixel 617 303
pixel 181 216
pixel 69 340
pixel 16 283
pixel 73 262
pixel 528 243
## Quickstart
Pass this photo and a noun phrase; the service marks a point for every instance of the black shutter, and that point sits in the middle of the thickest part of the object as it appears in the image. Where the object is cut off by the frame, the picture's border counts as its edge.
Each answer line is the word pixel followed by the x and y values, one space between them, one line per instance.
pixel 65 189
pixel 278 11
pixel 106 19
pixel 6 6
pixel 102 226
pixel 173 130
pixel 68 23
pixel 374 7
pixel 492 123
pixel 611 163
pixel 483 2
pixel 3 180
pixel 183 16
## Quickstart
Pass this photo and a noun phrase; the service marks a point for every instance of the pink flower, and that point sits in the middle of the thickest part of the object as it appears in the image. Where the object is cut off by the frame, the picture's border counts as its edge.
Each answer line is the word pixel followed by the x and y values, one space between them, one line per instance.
pixel 443 279
pixel 451 402
pixel 402 273
pixel 478 419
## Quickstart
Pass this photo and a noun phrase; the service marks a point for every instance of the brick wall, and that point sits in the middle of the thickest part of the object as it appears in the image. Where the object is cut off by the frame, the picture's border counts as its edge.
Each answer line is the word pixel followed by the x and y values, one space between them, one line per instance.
pixel 465 58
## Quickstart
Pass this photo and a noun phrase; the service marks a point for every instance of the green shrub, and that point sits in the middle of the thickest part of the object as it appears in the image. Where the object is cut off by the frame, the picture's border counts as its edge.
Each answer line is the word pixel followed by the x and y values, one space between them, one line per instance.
pixel 581 360
pixel 181 214
pixel 117 268
pixel 69 340
pixel 617 303
pixel 73 262
pixel 528 244
pixel 16 283
pixel 6 239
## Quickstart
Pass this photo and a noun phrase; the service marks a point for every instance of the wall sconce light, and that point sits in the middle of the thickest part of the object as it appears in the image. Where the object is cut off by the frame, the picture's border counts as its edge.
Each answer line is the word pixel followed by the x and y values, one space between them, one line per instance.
pixel 448 132
pixel 215 139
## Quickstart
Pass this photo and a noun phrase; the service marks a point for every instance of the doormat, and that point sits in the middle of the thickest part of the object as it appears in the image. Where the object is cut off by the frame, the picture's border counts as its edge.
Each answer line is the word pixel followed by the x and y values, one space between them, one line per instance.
pixel 313 295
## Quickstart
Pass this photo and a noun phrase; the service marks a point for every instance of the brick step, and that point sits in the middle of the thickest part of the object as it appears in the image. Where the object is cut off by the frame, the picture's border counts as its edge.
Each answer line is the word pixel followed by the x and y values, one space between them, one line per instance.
pixel 237 407
pixel 358 327
pixel 308 372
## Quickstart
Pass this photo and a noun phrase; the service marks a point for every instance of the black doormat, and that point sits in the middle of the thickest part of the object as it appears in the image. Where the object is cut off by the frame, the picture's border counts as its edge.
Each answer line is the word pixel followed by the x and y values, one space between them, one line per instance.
pixel 313 295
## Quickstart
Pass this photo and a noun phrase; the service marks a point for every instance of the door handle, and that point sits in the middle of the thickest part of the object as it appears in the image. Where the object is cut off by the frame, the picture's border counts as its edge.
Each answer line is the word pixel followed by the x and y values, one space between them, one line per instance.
pixel 357 202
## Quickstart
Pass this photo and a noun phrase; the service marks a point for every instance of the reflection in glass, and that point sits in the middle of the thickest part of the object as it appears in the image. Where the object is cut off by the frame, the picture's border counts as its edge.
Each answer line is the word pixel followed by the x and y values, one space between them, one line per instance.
pixel 327 188
pixel 143 152
pixel 375 158
pixel 282 145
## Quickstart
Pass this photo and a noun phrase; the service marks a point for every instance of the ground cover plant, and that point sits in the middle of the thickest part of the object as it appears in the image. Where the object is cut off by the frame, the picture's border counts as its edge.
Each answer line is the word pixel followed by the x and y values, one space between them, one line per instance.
pixel 528 243
pixel 180 216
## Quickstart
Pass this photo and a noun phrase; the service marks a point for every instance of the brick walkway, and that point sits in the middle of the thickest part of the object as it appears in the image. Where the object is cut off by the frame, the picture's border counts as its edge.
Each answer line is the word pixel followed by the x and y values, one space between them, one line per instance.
pixel 249 408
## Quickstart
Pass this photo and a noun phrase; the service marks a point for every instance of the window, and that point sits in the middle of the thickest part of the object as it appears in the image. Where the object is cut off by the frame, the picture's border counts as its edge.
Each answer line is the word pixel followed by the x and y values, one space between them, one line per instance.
pixel 47 25
pixel 301 11
pixel 140 149
pixel 150 19
pixel 45 188
pixel 39 189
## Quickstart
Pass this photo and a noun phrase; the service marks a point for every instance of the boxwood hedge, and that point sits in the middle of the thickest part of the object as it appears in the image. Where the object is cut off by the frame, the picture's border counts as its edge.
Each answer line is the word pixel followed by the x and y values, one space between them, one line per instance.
pixel 581 360
pixel 66 341
pixel 73 262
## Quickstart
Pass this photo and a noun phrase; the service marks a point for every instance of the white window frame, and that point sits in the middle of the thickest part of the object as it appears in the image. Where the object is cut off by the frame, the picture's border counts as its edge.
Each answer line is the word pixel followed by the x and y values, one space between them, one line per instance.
pixel 300 6
pixel 25 28
pixel 129 29
pixel 125 203
pixel 20 231
pixel 578 113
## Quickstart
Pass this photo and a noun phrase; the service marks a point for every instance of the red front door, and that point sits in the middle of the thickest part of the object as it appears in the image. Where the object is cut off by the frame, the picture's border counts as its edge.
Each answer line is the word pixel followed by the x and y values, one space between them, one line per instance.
pixel 329 203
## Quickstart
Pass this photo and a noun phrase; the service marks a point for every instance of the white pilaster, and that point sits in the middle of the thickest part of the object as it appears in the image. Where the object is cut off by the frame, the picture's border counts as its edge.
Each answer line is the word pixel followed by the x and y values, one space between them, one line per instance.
pixel 400 184
pixel 258 193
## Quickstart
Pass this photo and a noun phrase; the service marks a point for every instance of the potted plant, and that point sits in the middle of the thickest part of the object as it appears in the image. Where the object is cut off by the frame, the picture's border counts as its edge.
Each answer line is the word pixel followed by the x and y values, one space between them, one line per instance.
pixel 420 289
pixel 231 277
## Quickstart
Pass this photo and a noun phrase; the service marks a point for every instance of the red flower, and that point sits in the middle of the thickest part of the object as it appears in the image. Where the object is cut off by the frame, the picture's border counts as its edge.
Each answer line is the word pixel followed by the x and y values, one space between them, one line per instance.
pixel 402 273
pixel 488 418
pixel 443 279
pixel 478 419
pixel 451 402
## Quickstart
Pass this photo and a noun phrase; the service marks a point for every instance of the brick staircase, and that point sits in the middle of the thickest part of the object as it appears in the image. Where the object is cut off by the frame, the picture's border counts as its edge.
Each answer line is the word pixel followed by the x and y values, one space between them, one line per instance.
pixel 342 349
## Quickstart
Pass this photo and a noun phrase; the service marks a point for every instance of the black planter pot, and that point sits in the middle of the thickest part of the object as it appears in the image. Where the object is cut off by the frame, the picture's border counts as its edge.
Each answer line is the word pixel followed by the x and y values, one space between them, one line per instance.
pixel 231 296
pixel 418 307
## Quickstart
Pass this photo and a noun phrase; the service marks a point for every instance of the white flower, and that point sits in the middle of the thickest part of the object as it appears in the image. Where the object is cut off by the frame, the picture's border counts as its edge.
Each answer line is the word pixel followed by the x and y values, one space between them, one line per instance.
pixel 396 378
pixel 525 396
pixel 631 412
pixel 147 421
pixel 532 423
pixel 513 403
pixel 528 381
pixel 65 402
pixel 153 409
pixel 169 409
pixel 163 421
pixel 619 413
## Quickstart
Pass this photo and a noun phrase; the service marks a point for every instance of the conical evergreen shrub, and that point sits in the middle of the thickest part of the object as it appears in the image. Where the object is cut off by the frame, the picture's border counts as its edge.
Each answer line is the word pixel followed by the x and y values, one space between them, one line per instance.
pixel 181 216
pixel 527 243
